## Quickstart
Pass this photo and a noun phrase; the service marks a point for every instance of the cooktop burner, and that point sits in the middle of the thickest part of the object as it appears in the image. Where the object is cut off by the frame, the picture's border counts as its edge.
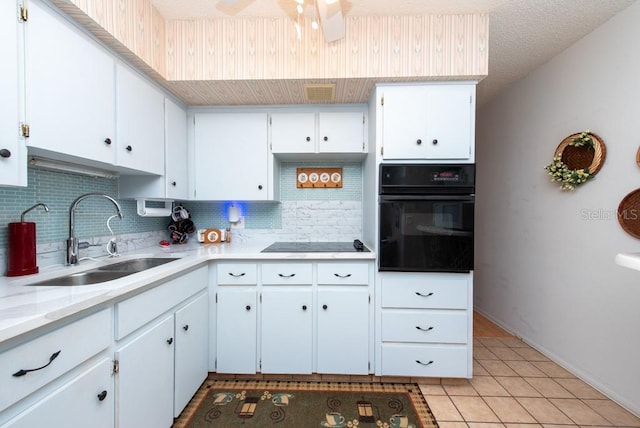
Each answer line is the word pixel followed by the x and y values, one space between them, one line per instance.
pixel 316 247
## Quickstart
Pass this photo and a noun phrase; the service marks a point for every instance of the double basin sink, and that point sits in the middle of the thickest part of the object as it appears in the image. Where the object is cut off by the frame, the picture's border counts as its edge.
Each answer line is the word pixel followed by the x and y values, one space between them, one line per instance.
pixel 107 272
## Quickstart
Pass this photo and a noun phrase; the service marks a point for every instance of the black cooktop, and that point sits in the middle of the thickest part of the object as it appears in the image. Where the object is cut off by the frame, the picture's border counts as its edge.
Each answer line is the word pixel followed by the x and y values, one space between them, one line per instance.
pixel 315 247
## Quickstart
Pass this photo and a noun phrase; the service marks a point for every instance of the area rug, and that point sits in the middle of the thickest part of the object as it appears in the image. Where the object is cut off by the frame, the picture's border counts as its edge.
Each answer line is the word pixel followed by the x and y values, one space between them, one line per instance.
pixel 284 404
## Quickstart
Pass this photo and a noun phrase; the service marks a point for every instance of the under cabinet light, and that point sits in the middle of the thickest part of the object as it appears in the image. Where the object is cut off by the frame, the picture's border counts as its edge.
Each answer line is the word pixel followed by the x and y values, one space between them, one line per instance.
pixel 56 165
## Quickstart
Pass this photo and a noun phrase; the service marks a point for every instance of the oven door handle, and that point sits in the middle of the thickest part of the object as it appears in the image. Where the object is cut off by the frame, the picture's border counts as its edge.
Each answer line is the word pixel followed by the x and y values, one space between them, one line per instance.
pixel 405 198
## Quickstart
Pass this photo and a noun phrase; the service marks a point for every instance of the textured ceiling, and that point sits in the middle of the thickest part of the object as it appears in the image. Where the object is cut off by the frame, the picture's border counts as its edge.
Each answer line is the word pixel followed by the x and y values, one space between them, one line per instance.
pixel 524 34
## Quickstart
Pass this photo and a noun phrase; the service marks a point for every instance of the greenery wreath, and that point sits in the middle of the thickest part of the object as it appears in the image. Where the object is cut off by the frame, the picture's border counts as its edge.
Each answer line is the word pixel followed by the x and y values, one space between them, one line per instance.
pixel 577 159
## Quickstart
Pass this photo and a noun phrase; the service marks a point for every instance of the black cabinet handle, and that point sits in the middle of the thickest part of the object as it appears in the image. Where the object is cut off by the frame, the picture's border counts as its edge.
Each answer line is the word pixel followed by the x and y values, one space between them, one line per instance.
pixel 185 327
pixel 418 141
pixel 237 275
pixel 435 142
pixel 424 329
pixel 423 295
pixel 248 308
pixel 259 186
pixel 107 141
pixel 342 276
pixel 308 138
pixel 424 364
pixel 102 395
pixel 291 275
pixel 5 153
pixel 170 340
pixel 326 138
pixel 304 307
pixel 129 148
pixel 324 307
pixel 173 183
pixel 23 372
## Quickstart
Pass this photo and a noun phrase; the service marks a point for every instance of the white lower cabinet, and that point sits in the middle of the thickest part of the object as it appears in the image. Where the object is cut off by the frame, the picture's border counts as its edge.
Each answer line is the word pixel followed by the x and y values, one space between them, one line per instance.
pixel 162 347
pixel 86 401
pixel 145 378
pixel 191 336
pixel 312 317
pixel 236 330
pixel 343 330
pixel 287 330
pixel 425 325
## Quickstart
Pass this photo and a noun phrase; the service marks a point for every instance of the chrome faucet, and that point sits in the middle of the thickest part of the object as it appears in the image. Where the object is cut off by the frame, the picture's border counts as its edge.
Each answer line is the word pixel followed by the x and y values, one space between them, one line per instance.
pixel 72 242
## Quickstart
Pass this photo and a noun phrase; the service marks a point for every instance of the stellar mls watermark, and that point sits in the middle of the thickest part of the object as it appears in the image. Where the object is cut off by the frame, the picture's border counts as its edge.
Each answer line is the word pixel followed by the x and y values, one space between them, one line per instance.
pixel 600 214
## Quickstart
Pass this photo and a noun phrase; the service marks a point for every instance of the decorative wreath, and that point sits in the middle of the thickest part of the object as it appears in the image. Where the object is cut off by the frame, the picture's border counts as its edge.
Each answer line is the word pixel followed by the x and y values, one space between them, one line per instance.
pixel 578 158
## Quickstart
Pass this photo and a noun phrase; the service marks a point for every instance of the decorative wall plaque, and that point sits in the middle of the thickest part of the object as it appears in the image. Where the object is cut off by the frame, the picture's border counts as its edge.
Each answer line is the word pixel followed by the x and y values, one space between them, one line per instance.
pixel 318 178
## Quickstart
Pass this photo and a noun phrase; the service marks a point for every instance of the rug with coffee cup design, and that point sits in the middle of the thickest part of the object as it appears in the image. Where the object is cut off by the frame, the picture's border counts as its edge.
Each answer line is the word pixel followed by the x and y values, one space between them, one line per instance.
pixel 288 404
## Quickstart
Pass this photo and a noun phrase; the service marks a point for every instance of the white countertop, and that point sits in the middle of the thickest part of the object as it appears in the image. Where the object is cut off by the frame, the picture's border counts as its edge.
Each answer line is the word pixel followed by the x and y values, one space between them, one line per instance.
pixel 24 308
pixel 629 260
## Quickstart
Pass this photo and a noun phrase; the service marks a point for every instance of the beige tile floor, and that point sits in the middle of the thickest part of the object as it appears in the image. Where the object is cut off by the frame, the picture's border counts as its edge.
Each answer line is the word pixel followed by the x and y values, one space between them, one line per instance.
pixel 516 386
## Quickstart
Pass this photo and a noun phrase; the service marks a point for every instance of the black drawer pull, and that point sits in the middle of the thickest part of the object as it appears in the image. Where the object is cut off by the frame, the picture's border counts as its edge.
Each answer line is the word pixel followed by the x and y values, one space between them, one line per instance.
pixel 325 307
pixel 424 329
pixel 248 308
pixel 291 275
pixel 342 276
pixel 102 395
pixel 185 327
pixel 424 364
pixel 304 307
pixel 5 153
pixel 423 295
pixel 237 275
pixel 23 372
pixel 170 340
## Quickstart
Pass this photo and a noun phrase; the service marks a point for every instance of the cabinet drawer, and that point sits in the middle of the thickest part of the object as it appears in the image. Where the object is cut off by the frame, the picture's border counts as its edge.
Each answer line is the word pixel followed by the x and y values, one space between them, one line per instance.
pixel 420 292
pixel 135 312
pixel 237 273
pixel 425 326
pixel 425 360
pixel 343 273
pixel 74 343
pixel 287 273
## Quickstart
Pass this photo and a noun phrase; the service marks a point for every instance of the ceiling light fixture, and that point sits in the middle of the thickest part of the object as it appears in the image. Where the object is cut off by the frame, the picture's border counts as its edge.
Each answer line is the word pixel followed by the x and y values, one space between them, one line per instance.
pixel 56 165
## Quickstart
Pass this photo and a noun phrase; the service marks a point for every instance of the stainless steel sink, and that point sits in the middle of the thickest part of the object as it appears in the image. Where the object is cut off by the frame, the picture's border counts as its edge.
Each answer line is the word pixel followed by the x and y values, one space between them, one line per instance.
pixel 107 273
pixel 84 278
pixel 137 265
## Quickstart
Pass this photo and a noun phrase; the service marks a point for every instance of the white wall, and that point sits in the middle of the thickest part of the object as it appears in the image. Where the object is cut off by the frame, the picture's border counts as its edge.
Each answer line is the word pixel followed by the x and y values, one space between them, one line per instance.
pixel 545 258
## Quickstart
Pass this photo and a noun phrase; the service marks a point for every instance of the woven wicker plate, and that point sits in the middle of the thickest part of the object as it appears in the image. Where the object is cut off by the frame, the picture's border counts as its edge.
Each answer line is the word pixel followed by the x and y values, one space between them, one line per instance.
pixel 629 213
pixel 582 157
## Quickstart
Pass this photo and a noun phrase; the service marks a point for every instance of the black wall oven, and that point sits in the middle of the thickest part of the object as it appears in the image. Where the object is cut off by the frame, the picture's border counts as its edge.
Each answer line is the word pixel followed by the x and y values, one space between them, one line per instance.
pixel 426 217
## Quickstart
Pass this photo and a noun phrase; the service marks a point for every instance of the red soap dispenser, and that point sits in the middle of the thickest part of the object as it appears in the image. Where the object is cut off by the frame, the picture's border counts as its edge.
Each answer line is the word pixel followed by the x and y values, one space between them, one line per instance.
pixel 22 246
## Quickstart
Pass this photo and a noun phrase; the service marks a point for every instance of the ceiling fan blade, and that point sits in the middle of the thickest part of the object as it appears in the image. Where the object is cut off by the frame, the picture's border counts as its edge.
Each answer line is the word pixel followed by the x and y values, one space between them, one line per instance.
pixel 331 19
pixel 232 7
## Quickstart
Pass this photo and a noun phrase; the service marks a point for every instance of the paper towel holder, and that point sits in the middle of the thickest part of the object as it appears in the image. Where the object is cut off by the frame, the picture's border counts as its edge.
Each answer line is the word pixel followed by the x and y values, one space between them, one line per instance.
pixel 144 211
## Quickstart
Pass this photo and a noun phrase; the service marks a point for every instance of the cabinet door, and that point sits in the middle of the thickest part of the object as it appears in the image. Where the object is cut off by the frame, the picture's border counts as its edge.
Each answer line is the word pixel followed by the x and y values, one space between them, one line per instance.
pixel 450 121
pixel 404 122
pixel 293 132
pixel 145 378
pixel 140 123
pixel 236 330
pixel 176 150
pixel 13 155
pixel 341 132
pixel 231 156
pixel 192 325
pixel 86 401
pixel 287 325
pixel 70 86
pixel 343 330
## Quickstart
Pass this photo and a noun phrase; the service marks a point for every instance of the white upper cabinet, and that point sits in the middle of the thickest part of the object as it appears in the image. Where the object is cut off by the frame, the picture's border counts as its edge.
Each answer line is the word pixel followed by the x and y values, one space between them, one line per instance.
pixel 231 159
pixel 13 154
pixel 325 132
pixel 428 122
pixel 140 123
pixel 70 86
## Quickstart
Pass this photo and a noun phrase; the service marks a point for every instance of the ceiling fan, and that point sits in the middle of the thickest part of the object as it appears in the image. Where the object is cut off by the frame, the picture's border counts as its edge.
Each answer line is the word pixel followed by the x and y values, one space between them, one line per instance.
pixel 329 13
